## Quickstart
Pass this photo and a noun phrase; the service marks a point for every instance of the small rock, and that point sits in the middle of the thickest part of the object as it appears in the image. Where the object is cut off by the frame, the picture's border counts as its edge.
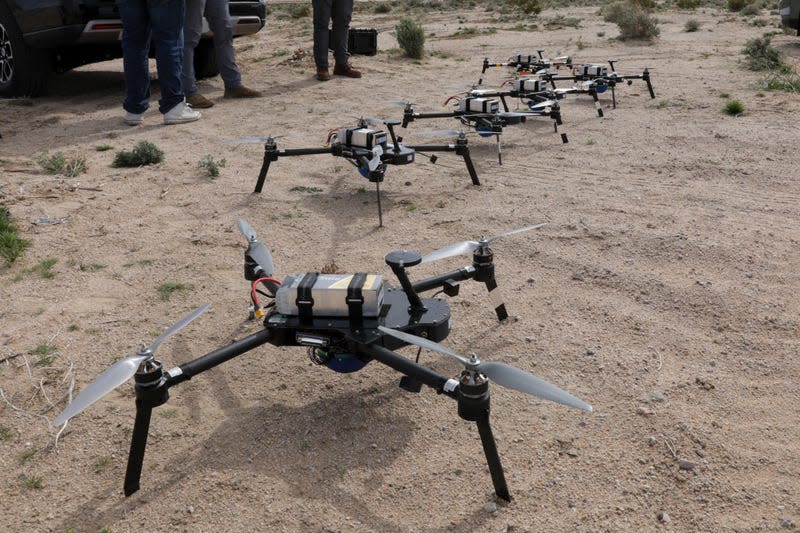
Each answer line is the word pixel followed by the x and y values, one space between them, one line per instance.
pixel 685 464
pixel 657 396
pixel 663 517
pixel 190 509
pixel 643 412
pixel 408 184
pixel 788 523
pixel 490 507
pixel 577 276
pixel 589 352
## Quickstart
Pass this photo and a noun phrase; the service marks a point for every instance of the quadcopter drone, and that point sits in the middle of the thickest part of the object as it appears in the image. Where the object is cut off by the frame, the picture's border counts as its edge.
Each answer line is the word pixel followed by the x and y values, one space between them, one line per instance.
pixel 525 64
pixel 594 79
pixel 370 151
pixel 484 116
pixel 344 321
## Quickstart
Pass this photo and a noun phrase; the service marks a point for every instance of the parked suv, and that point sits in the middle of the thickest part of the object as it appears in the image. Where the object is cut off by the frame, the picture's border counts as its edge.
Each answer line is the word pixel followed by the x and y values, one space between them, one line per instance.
pixel 40 36
pixel 790 14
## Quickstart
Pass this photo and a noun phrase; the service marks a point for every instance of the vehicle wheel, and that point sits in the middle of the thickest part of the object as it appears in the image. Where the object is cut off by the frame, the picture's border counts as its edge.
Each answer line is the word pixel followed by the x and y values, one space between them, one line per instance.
pixel 23 70
pixel 205 60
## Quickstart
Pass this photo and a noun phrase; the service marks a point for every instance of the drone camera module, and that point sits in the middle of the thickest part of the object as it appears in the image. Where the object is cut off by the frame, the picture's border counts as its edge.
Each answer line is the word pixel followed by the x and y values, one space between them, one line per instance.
pixel 363 137
pixel 591 70
pixel 329 294
pixel 480 105
pixel 530 85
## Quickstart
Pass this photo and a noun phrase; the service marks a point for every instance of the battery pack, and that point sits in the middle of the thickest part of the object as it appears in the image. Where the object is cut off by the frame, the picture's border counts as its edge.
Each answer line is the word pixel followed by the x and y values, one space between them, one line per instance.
pixel 480 105
pixel 530 85
pixel 362 137
pixel 523 59
pixel 329 295
pixel 590 70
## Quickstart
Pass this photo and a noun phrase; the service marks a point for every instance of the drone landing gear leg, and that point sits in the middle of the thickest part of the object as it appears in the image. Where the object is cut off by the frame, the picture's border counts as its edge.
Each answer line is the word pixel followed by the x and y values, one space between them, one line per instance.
pixel 613 98
pixel 497 300
pixel 380 211
pixel 499 152
pixel 138 444
pixel 492 457
pixel 597 104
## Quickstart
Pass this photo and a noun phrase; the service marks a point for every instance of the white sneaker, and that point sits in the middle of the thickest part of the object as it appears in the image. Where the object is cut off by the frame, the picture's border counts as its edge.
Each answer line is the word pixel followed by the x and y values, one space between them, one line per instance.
pixel 133 119
pixel 181 114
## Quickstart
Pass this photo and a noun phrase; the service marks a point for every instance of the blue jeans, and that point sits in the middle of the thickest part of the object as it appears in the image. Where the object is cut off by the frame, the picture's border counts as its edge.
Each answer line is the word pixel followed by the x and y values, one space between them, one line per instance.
pixel 339 12
pixel 163 20
pixel 219 20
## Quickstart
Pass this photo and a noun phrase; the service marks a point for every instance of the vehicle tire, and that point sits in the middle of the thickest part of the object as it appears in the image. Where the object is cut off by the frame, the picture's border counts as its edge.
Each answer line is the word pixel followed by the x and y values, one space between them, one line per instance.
pixel 23 70
pixel 205 60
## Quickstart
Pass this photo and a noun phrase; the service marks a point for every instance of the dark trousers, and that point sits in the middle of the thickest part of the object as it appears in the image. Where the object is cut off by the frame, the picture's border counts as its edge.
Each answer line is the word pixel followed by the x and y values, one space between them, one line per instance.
pixel 163 20
pixel 339 12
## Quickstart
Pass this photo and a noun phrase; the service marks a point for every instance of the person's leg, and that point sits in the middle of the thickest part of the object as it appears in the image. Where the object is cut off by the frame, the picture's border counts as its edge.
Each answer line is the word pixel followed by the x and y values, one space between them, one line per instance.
pixel 342 13
pixel 167 20
pixel 135 47
pixel 322 16
pixel 219 20
pixel 192 28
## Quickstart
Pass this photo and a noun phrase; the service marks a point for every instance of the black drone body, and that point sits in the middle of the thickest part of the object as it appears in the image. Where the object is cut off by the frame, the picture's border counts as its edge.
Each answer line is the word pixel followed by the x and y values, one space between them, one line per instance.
pixel 594 79
pixel 344 322
pixel 529 63
pixel 484 115
pixel 371 151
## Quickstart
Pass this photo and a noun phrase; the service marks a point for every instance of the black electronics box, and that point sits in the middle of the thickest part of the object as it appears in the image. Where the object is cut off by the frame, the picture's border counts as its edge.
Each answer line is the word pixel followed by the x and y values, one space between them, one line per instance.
pixel 362 41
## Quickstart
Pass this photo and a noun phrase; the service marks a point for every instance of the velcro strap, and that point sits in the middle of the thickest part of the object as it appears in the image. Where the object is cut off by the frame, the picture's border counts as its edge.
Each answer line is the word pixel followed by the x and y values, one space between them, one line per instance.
pixel 355 300
pixel 304 301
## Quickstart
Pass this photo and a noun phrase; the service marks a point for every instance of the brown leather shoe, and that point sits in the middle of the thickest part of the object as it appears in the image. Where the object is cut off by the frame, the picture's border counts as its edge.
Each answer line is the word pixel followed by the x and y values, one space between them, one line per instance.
pixel 241 92
pixel 323 74
pixel 346 70
pixel 199 101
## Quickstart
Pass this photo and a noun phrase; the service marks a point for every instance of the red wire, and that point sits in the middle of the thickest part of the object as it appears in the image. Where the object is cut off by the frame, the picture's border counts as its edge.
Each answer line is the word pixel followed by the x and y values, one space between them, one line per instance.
pixel 254 294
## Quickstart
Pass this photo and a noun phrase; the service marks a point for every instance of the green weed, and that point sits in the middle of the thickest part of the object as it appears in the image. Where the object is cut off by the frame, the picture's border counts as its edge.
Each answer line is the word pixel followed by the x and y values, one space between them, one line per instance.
pixel 11 245
pixel 210 166
pixel 165 290
pixel 144 153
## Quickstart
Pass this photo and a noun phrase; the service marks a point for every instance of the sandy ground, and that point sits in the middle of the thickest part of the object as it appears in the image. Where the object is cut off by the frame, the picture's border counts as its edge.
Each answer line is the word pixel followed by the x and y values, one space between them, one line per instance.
pixel 663 291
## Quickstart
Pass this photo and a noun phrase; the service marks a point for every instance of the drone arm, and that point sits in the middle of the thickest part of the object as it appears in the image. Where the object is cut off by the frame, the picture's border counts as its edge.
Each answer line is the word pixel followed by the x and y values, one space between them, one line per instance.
pixel 434 380
pixel 205 362
pixel 271 153
pixel 461 274
pixel 460 148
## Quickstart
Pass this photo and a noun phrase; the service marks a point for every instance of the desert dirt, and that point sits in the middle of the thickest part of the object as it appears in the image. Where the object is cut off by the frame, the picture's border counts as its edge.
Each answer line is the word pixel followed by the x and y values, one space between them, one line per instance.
pixel 663 291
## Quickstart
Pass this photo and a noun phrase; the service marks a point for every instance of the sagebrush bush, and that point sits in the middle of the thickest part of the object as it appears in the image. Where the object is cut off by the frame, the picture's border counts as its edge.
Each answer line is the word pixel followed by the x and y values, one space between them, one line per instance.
pixel 750 10
pixel 761 55
pixel 688 4
pixel 634 21
pixel 411 38
pixel 737 5
pixel 691 25
pixel 528 6
pixel 144 153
